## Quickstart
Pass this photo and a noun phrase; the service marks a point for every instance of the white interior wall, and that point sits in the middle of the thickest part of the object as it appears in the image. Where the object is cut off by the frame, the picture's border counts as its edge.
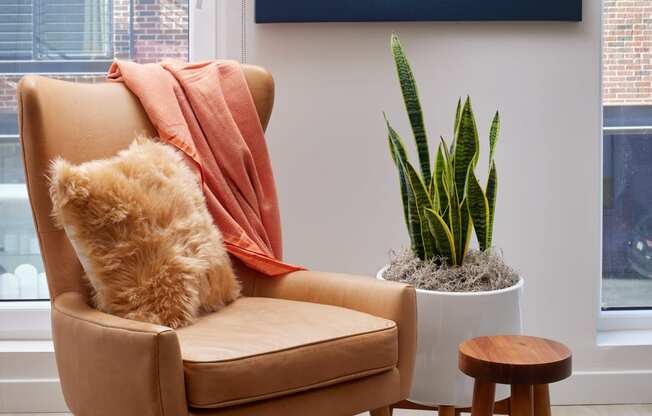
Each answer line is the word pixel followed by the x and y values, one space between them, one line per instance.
pixel 338 189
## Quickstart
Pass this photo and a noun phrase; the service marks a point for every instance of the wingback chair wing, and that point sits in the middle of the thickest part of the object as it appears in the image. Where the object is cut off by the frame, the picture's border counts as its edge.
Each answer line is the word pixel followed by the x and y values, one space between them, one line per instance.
pixel 307 343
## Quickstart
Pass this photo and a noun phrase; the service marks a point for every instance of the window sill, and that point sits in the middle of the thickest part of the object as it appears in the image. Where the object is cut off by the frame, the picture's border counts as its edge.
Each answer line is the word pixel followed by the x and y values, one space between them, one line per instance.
pixel 28 346
pixel 25 320
pixel 625 338
pixel 82 66
pixel 625 320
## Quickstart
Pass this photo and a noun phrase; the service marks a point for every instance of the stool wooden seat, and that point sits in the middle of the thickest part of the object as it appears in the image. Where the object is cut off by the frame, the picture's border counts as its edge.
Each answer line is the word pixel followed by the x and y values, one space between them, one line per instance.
pixel 528 364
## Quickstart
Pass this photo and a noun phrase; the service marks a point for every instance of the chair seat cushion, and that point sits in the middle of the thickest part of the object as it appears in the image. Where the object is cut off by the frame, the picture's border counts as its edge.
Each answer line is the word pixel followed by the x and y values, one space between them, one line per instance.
pixel 258 348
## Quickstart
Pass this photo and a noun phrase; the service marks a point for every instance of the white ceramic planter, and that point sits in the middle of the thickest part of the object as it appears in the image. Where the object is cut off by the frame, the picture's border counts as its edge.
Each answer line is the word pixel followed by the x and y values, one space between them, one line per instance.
pixel 444 320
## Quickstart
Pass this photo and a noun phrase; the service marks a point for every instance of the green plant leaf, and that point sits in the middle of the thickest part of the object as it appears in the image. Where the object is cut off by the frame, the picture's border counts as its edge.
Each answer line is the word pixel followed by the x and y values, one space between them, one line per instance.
pixel 478 208
pixel 432 190
pixel 458 114
pixel 466 231
pixel 467 147
pixel 449 171
pixel 443 236
pixel 403 185
pixel 448 158
pixel 455 222
pixel 412 105
pixel 414 219
pixel 395 138
pixel 438 179
pixel 423 202
pixel 492 191
pixel 413 216
pixel 494 132
pixel 402 178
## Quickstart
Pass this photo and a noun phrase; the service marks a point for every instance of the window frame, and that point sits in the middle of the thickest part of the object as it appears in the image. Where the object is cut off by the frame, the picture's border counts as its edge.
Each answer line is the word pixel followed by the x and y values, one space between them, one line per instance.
pixel 55 66
pixel 615 326
pixel 625 320
pixel 30 320
pixel 619 326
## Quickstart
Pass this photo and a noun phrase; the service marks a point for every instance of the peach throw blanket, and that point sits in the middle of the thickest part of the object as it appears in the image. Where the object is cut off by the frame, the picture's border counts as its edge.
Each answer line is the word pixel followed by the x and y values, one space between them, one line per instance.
pixel 205 109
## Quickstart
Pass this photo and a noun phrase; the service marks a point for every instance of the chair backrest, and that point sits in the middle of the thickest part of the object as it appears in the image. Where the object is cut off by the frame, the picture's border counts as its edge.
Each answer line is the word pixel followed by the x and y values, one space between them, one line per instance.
pixel 82 122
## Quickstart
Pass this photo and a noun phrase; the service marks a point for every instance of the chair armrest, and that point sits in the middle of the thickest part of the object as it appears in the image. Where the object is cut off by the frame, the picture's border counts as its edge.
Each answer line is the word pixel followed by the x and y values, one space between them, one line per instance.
pixel 389 300
pixel 113 366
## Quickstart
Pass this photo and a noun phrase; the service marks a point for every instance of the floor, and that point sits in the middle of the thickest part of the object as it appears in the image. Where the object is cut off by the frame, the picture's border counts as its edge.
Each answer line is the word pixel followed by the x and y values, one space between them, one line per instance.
pixel 638 410
pixel 629 410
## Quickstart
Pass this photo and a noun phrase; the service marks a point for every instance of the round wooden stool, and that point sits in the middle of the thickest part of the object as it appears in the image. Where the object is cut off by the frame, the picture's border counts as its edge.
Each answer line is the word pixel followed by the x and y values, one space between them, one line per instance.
pixel 528 364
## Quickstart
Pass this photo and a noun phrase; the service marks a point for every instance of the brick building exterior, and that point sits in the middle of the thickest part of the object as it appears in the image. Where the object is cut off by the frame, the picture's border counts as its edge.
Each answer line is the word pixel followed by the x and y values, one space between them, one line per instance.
pixel 627 53
pixel 142 30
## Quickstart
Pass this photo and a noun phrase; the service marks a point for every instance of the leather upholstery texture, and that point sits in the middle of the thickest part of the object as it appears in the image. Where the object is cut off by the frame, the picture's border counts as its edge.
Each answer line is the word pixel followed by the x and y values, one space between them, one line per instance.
pixel 225 354
pixel 105 362
pixel 344 399
pixel 389 300
pixel 307 343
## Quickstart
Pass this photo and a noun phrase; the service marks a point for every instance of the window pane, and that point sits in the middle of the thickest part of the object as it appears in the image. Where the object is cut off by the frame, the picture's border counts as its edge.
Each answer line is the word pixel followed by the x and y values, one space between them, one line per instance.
pixel 73 40
pixel 65 29
pixel 627 155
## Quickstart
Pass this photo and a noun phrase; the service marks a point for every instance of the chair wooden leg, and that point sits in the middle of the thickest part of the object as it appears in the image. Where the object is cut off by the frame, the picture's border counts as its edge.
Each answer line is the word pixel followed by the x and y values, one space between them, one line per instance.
pixel 522 400
pixel 446 411
pixel 383 411
pixel 484 395
pixel 541 400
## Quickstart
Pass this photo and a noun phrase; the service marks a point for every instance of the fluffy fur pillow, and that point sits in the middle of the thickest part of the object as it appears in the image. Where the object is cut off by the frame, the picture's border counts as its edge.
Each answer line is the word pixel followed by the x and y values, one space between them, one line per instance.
pixel 139 224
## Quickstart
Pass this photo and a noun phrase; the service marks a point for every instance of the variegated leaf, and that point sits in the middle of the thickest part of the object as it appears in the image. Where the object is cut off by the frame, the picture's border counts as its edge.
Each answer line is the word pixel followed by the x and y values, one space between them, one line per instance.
pixel 442 234
pixel 455 221
pixel 402 180
pixel 412 105
pixel 478 208
pixel 423 202
pixel 494 132
pixel 414 219
pixel 466 231
pixel 411 210
pixel 467 147
pixel 438 179
pixel 492 191
pixel 458 114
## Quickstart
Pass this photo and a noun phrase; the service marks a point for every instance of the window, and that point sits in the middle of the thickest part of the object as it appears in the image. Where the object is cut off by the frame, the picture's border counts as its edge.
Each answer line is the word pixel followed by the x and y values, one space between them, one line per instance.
pixel 73 40
pixel 627 155
pixel 50 29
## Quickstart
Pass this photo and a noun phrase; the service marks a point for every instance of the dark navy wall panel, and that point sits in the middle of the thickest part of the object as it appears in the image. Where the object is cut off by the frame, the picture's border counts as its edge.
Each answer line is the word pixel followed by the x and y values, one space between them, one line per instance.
pixel 271 11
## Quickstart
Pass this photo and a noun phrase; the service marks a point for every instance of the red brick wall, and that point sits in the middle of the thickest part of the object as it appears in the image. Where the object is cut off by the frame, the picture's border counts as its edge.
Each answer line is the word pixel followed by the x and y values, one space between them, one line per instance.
pixel 159 30
pixel 627 54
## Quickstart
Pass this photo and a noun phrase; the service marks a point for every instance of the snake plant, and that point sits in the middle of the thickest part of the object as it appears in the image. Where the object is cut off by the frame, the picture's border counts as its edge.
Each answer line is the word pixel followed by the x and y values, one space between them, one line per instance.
pixel 443 204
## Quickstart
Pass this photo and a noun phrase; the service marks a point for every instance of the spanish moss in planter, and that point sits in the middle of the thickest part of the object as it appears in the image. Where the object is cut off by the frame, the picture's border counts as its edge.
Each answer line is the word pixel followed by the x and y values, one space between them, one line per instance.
pixel 482 271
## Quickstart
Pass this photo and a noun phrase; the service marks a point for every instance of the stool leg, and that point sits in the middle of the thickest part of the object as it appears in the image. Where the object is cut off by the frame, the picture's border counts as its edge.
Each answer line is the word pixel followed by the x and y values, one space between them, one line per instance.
pixel 383 411
pixel 446 411
pixel 541 400
pixel 522 400
pixel 484 395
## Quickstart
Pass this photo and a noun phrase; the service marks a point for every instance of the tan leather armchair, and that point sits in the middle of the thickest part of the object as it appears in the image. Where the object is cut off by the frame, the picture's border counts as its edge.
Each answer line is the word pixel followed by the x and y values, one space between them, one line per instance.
pixel 307 343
